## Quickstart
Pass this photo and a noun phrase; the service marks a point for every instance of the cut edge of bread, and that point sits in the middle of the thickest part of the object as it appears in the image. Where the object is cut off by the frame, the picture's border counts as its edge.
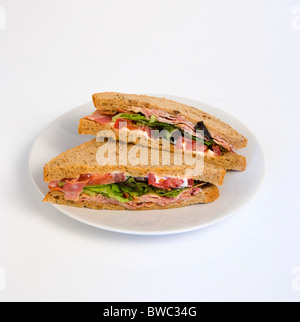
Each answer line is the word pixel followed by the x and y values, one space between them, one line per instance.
pixel 226 161
pixel 208 194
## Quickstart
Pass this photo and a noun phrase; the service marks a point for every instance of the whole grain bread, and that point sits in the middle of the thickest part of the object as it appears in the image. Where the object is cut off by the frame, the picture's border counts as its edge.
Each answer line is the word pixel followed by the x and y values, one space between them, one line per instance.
pixel 110 102
pixel 226 161
pixel 209 193
pixel 83 159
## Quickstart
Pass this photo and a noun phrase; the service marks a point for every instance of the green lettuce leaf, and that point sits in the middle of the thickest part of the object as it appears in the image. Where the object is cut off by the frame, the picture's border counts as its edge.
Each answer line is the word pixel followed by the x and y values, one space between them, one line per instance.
pixel 141 119
pixel 128 190
pixel 111 191
pixel 168 194
pixel 132 117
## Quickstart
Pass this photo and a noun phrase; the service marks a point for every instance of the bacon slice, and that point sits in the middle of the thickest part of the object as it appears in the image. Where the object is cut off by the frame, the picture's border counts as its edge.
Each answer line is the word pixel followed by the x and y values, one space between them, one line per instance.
pixel 119 177
pixel 165 117
pixel 100 179
pixel 223 143
pixel 100 118
pixel 73 188
pixel 146 200
pixel 179 121
pixel 216 150
pixel 53 185
pixel 161 116
pixel 168 182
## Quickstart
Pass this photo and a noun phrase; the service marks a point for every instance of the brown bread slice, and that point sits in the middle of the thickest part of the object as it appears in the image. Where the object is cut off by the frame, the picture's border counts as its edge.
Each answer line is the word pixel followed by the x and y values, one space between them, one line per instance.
pixel 109 102
pixel 82 160
pixel 209 193
pixel 226 161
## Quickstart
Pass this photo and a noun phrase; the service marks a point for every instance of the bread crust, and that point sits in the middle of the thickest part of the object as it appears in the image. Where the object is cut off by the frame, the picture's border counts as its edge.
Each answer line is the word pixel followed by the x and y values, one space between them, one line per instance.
pixel 109 102
pixel 226 161
pixel 209 194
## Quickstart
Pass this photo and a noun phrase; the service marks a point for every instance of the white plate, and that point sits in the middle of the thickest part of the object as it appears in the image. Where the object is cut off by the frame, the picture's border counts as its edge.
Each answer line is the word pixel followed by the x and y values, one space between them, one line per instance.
pixel 237 190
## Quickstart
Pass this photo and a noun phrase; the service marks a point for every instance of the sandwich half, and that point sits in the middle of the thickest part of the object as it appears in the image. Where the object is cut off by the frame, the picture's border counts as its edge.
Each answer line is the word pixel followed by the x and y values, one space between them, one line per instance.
pixel 77 179
pixel 128 113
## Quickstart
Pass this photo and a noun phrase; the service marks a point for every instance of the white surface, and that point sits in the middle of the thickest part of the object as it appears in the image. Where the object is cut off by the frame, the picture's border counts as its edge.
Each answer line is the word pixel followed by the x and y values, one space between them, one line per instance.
pixel 242 56
pixel 238 190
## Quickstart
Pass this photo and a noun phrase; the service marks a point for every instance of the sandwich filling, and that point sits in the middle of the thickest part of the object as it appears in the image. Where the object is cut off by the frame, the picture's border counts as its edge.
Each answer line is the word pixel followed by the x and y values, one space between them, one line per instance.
pixel 177 129
pixel 130 192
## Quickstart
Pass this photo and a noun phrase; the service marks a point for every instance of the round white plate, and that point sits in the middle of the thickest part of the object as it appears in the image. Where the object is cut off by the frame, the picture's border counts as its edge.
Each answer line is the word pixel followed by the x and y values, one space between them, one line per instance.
pixel 237 190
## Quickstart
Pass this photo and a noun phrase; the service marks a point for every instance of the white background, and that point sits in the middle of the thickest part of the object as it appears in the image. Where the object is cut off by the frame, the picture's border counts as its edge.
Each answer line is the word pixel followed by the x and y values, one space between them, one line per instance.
pixel 241 56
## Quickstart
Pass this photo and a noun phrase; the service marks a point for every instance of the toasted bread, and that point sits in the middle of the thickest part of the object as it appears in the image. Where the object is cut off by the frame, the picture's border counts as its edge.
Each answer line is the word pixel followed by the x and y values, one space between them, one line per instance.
pixel 110 102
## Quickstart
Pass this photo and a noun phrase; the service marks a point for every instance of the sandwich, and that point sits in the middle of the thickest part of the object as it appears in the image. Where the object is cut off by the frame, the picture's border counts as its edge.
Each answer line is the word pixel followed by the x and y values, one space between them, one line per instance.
pixel 183 127
pixel 79 177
